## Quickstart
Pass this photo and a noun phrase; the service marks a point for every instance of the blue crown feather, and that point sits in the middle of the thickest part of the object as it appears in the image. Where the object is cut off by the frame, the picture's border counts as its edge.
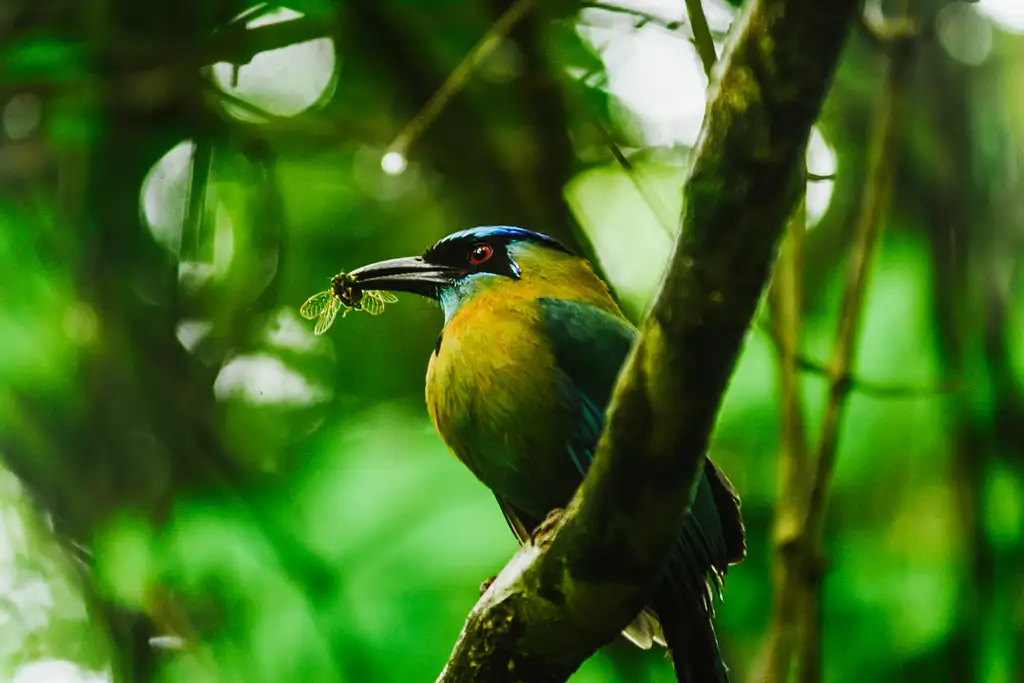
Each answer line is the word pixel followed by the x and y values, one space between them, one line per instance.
pixel 508 232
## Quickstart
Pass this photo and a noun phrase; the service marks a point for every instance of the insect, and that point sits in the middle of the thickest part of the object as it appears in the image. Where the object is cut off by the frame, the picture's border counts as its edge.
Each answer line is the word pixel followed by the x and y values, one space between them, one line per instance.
pixel 324 306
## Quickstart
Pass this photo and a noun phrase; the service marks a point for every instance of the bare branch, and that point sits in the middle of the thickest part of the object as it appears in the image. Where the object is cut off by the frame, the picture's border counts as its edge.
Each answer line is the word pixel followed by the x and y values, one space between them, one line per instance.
pixel 458 78
pixel 643 18
pixel 786 298
pixel 559 600
pixel 702 39
pixel 660 211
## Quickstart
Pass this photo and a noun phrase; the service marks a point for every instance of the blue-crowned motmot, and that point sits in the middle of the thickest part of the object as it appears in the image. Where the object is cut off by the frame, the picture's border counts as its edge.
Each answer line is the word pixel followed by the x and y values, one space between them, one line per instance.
pixel 517 387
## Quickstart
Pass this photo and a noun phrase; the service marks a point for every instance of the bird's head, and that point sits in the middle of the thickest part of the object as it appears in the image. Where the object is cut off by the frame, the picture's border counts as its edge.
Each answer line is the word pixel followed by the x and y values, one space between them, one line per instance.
pixel 470 262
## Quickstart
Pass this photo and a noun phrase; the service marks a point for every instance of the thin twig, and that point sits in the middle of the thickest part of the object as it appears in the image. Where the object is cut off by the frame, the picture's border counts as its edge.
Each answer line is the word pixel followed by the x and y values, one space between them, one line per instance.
pixel 643 18
pixel 192 237
pixel 786 296
pixel 655 204
pixel 882 390
pixel 705 46
pixel 647 19
pixel 459 76
pixel 702 39
pixel 873 203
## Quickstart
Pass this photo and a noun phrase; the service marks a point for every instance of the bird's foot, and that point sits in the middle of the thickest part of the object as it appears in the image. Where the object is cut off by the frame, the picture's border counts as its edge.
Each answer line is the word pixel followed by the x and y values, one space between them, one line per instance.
pixel 546 529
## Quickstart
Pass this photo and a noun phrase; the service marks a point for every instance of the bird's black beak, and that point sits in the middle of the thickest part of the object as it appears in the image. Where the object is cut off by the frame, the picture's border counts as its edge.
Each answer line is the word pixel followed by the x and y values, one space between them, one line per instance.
pixel 409 274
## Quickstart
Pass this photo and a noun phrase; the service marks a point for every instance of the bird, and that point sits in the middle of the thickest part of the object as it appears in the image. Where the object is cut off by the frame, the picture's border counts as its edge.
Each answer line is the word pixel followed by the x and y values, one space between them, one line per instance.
pixel 517 386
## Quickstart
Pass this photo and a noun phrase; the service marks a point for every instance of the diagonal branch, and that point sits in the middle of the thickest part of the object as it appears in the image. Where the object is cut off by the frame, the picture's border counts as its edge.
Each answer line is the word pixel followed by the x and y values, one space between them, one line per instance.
pixel 458 78
pixel 562 598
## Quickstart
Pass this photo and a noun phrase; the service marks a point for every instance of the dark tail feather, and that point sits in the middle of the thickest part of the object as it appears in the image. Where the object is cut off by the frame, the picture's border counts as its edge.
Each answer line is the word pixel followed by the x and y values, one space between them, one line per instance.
pixel 691 639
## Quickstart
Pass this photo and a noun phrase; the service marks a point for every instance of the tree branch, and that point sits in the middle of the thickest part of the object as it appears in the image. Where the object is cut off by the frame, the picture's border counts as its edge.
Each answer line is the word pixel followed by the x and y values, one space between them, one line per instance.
pixel 592 568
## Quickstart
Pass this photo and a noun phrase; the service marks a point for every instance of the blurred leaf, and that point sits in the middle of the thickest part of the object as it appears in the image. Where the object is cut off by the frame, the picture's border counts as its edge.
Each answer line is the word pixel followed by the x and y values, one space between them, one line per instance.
pixel 72 122
pixel 124 562
pixel 43 57
pixel 1003 507
pixel 568 49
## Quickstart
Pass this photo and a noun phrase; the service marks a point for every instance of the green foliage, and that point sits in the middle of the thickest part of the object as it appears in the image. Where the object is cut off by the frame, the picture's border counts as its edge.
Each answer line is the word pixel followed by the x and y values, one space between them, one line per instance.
pixel 40 56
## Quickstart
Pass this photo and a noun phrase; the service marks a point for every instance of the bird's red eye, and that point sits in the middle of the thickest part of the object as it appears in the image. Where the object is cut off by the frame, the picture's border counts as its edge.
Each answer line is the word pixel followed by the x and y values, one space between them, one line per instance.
pixel 480 253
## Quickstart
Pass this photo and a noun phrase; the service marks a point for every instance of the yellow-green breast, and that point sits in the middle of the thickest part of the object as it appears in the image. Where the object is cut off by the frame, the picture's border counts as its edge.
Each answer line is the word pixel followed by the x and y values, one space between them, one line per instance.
pixel 496 396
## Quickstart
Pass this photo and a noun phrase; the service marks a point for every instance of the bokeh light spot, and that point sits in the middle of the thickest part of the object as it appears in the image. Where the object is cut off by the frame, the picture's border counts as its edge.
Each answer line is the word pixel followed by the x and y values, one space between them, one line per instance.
pixel 21 116
pixel 393 163
pixel 282 82
pixel 165 195
pixel 263 379
pixel 80 323
pixel 1008 14
pixel 56 671
pixel 963 33
pixel 191 332
pixel 657 75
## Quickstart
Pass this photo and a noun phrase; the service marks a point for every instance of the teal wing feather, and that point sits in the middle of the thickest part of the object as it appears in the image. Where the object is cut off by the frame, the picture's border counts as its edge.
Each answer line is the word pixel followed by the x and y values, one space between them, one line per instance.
pixel 590 346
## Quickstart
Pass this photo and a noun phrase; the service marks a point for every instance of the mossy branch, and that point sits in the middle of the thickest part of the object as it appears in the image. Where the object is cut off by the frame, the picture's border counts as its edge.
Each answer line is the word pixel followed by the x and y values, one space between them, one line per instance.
pixel 563 596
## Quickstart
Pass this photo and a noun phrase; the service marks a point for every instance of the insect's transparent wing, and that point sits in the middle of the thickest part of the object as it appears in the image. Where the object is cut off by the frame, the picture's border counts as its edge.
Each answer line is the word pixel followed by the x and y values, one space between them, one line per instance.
pixel 315 305
pixel 371 304
pixel 387 297
pixel 327 316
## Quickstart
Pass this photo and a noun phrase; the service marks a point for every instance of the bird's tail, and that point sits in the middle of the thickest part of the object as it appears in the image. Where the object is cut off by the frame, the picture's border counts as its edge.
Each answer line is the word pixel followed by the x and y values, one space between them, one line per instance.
pixel 690 636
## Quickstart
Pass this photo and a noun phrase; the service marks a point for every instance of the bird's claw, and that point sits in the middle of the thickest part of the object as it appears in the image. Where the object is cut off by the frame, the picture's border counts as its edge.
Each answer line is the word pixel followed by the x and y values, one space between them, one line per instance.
pixel 545 530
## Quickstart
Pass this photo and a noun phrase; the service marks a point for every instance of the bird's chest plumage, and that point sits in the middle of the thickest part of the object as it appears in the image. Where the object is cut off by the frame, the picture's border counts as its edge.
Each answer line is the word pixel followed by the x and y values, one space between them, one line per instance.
pixel 493 394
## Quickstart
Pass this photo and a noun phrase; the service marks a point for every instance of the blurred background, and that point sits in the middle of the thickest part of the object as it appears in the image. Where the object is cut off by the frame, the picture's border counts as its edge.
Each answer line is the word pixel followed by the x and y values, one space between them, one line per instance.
pixel 176 442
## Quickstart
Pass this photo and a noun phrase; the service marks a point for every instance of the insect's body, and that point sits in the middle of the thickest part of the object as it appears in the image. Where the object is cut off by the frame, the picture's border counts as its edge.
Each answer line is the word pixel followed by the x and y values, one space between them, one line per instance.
pixel 324 306
pixel 343 287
